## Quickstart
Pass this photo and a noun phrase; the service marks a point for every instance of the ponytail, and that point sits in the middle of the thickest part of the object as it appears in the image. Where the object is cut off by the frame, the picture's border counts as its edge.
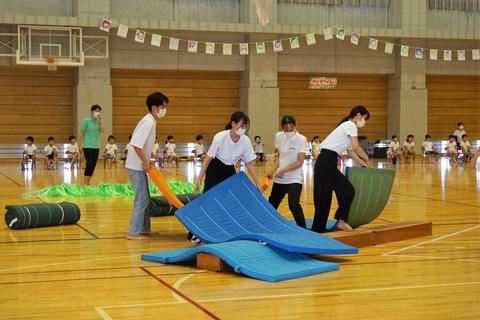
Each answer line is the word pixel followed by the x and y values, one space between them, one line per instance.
pixel 356 110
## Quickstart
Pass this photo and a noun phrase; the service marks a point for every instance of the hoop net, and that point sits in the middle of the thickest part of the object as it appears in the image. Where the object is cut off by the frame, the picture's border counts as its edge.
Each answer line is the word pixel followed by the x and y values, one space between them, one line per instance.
pixel 261 8
pixel 52 62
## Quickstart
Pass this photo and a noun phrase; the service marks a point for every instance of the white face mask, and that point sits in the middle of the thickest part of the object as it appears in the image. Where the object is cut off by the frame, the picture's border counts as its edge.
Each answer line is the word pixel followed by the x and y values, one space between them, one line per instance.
pixel 460 127
pixel 361 122
pixel 161 113
pixel 290 134
pixel 241 131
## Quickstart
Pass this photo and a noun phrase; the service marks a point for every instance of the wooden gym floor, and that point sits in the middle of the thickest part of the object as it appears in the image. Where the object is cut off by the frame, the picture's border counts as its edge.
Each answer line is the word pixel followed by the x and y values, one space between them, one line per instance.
pixel 90 271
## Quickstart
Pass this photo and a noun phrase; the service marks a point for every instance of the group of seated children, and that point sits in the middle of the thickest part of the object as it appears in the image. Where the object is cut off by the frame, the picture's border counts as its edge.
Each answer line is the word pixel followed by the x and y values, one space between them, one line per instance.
pixel 407 152
pixel 395 153
pixel 167 155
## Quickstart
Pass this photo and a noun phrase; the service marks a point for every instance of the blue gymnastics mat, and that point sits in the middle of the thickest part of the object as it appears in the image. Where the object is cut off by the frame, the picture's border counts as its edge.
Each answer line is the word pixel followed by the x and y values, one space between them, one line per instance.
pixel 252 259
pixel 236 210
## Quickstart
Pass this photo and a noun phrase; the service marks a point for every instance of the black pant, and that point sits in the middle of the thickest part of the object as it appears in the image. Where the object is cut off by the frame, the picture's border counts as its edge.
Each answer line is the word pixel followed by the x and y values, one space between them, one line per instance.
pixel 294 190
pixel 327 178
pixel 91 157
pixel 217 172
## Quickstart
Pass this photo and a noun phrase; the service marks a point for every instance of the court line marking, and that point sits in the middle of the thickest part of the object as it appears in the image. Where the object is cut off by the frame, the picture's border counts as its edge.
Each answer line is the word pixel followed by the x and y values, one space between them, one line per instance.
pixel 101 309
pixel 435 258
pixel 181 294
pixel 178 284
pixel 445 236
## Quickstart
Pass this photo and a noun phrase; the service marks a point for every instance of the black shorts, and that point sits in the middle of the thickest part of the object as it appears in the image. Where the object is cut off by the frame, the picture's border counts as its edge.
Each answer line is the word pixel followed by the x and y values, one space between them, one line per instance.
pixel 50 156
pixel 30 156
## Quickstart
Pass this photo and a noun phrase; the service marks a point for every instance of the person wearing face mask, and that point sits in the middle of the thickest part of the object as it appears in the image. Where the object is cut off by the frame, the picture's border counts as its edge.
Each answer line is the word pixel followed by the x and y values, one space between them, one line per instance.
pixel 459 133
pixel 89 140
pixel 327 178
pixel 287 169
pixel 138 163
pixel 228 147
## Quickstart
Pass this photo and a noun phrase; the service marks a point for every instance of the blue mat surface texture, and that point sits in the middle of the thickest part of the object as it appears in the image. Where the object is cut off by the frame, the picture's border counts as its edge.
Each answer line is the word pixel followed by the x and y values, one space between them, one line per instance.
pixel 236 210
pixel 252 259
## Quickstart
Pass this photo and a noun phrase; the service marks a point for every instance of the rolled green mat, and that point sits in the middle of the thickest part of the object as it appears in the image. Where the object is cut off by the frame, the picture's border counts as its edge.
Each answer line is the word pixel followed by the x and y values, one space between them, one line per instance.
pixel 159 206
pixel 372 191
pixel 41 215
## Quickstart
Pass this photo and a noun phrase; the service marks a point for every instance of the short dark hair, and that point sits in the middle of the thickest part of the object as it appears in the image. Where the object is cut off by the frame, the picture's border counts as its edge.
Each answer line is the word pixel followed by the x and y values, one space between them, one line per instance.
pixel 156 99
pixel 111 137
pixel 464 135
pixel 237 117
pixel 199 137
pixel 451 136
pixel 95 107
pixel 257 137
pixel 410 135
pixel 394 136
pixel 170 137
pixel 29 138
pixel 460 123
pixel 71 137
pixel 315 137
pixel 288 120
pixel 427 136
pixel 51 139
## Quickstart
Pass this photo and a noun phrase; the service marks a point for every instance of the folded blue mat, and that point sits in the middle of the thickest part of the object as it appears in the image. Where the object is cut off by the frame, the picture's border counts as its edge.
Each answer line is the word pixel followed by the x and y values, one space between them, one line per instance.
pixel 236 210
pixel 252 259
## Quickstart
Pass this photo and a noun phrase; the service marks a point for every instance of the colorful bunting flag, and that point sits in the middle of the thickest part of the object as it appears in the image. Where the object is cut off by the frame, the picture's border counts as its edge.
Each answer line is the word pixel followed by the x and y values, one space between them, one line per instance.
pixel 355 38
pixel 122 31
pixel 373 44
pixel 419 53
pixel 404 50
pixel 105 25
pixel 210 48
pixel 277 46
pixel 461 55
pixel 156 40
pixel 341 33
pixel 310 39
pixel 294 43
pixel 476 54
pixel 192 46
pixel 140 36
pixel 244 49
pixel 227 49
pixel 447 55
pixel 327 34
pixel 260 47
pixel 433 54
pixel 173 45
pixel 388 47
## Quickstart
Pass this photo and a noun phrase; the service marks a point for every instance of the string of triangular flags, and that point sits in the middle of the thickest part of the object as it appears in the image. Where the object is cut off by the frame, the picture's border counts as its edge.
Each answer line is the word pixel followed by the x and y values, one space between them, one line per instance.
pixel 294 43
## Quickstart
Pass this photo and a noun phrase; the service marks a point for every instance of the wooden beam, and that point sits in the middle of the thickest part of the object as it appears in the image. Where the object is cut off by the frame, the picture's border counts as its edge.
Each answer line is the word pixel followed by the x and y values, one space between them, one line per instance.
pixel 358 238
pixel 213 263
pixel 400 231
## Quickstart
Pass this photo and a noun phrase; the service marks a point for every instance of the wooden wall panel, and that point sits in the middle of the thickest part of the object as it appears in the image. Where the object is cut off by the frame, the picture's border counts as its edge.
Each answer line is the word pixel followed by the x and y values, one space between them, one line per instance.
pixel 319 111
pixel 453 99
pixel 36 102
pixel 200 102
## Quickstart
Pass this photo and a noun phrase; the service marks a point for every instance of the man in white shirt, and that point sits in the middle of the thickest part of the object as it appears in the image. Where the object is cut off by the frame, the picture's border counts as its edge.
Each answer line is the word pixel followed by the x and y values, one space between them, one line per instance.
pixel 292 147
pixel 138 163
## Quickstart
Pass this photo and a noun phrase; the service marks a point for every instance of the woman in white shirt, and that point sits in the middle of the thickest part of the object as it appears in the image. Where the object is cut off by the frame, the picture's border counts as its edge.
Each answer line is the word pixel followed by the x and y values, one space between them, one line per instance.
pixel 287 169
pixel 227 148
pixel 327 178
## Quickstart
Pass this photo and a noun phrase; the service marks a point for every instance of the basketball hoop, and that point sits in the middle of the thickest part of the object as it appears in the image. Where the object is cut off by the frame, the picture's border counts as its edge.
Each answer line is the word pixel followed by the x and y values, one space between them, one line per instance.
pixel 52 62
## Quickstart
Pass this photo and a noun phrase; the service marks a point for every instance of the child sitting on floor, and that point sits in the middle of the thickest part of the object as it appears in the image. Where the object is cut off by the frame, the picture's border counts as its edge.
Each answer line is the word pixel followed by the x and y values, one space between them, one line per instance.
pixel 111 150
pixel 427 149
pixel 29 153
pixel 72 151
pixel 394 152
pixel 170 147
pixel 466 149
pixel 451 148
pixel 199 148
pixel 258 148
pixel 409 149
pixel 51 154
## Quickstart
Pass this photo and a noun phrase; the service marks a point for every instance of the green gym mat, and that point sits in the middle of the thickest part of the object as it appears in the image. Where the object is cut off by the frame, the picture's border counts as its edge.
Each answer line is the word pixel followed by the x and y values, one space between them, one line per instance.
pixel 105 190
pixel 41 215
pixel 159 206
pixel 372 191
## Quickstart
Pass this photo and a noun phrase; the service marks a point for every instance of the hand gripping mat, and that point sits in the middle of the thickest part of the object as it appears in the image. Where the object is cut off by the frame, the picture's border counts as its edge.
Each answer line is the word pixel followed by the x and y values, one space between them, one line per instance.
pixel 236 210
pixel 252 259
pixel 372 191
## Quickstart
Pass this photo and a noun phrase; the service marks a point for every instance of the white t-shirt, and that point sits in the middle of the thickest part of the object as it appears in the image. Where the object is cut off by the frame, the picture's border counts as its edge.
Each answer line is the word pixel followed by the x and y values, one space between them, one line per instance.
pixel 459 133
pixel 230 152
pixel 315 146
pixel 288 149
pixel 394 146
pixel 155 149
pixel 199 150
pixel 111 148
pixel 427 146
pixel 465 145
pixel 30 149
pixel 451 146
pixel 339 139
pixel 408 145
pixel 170 148
pixel 72 148
pixel 258 147
pixel 143 137
pixel 49 149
